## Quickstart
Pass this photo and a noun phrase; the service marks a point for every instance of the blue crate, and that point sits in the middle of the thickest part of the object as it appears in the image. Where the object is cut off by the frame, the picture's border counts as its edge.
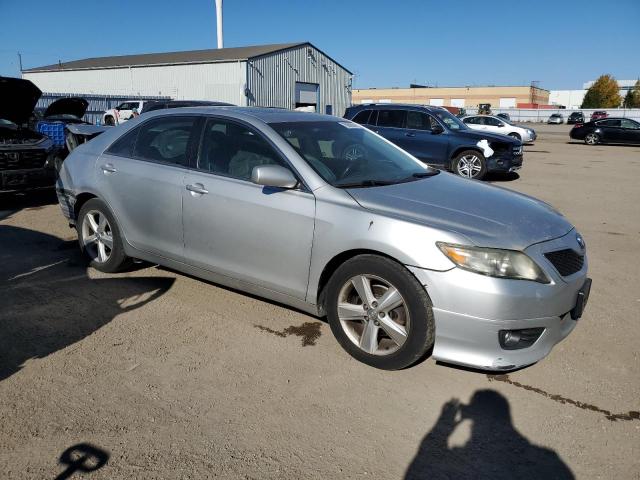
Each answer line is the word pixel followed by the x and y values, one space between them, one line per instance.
pixel 53 130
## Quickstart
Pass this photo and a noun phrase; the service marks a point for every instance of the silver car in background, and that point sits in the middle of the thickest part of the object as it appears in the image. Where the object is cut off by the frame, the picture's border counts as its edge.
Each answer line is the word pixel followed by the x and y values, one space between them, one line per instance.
pixel 321 214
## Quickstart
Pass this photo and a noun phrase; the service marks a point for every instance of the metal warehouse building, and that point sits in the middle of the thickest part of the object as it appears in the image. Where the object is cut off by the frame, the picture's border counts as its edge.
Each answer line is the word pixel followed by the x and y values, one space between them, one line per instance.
pixel 285 75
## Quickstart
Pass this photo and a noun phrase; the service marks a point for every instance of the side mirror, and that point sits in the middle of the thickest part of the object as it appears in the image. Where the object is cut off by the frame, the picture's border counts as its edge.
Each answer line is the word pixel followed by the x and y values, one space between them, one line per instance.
pixel 436 129
pixel 273 176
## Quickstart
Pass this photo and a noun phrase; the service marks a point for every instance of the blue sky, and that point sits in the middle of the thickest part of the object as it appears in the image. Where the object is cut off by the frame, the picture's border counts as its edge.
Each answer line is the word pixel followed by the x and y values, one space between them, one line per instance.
pixel 560 43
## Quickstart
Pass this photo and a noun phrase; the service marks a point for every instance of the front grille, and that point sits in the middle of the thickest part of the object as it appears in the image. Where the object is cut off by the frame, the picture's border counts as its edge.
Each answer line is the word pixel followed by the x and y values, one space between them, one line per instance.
pixel 22 160
pixel 517 150
pixel 567 261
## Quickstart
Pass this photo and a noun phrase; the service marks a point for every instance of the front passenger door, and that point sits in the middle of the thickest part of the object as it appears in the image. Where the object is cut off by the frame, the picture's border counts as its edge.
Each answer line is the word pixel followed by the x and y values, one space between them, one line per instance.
pixel 631 131
pixel 421 141
pixel 239 229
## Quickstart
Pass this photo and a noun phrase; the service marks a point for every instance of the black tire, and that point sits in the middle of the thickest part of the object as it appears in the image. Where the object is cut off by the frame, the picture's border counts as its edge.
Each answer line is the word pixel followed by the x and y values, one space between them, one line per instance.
pixel 466 154
pixel 592 138
pixel 117 260
pixel 515 135
pixel 420 333
pixel 110 121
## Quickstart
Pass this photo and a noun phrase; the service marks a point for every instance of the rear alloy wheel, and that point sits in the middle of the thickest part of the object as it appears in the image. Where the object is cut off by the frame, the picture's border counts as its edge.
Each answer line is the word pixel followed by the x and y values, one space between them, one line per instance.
pixel 99 237
pixel 379 312
pixel 592 139
pixel 470 164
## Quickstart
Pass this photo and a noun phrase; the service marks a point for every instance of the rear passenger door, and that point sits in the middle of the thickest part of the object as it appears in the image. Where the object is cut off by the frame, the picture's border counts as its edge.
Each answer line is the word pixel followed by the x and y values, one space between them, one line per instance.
pixel 141 177
pixel 421 141
pixel 239 229
pixel 390 124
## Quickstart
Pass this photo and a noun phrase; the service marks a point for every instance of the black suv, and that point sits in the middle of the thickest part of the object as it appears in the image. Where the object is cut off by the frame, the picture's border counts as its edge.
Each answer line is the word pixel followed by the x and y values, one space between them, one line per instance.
pixel 438 138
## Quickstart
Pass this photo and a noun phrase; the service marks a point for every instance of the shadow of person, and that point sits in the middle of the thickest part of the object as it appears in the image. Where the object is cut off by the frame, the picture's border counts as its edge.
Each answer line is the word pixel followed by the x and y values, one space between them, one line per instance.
pixel 48 301
pixel 495 449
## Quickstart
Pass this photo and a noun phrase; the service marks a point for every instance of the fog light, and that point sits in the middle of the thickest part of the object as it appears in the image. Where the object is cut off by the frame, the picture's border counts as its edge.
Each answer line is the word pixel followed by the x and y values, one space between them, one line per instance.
pixel 517 339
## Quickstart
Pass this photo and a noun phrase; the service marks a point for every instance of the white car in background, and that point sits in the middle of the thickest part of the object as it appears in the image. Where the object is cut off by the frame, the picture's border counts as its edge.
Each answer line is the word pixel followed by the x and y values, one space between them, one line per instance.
pixel 490 123
pixel 123 112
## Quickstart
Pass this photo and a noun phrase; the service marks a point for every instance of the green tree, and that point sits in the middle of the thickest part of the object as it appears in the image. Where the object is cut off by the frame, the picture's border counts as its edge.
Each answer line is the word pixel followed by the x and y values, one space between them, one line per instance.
pixel 632 98
pixel 603 94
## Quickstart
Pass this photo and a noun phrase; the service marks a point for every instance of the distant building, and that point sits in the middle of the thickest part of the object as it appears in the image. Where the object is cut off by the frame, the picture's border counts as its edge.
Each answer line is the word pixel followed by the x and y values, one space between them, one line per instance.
pixel 469 97
pixel 285 75
pixel 573 98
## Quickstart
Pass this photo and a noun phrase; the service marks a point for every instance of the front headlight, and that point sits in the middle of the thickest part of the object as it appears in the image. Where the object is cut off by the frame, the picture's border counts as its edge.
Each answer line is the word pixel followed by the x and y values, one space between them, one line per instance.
pixel 494 262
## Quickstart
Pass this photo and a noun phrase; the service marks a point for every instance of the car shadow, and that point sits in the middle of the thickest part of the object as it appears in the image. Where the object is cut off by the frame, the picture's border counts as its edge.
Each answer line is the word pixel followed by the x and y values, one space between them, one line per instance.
pixel 608 144
pixel 501 177
pixel 494 449
pixel 48 300
pixel 11 203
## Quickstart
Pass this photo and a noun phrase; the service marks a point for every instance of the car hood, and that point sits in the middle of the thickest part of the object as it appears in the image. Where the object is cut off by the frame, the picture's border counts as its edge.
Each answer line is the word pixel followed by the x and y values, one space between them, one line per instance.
pixel 18 98
pixel 487 215
pixel 482 135
pixel 75 106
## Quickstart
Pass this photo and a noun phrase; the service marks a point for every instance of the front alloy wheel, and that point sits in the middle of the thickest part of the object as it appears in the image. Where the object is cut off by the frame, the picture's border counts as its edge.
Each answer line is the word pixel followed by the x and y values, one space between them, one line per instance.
pixel 373 314
pixel 470 164
pixel 379 312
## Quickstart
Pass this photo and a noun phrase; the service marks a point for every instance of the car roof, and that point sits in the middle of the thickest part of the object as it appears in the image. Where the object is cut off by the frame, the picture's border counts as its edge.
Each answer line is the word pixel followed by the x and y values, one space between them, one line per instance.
pixel 398 106
pixel 265 114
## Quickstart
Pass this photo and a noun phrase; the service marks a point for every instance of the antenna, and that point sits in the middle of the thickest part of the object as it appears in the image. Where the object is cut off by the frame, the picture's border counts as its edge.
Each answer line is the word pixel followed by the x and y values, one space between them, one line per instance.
pixel 219 23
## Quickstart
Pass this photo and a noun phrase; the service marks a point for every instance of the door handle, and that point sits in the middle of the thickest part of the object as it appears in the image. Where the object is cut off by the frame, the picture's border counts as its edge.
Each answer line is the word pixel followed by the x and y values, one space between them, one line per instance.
pixel 197 188
pixel 108 168
pixel 409 134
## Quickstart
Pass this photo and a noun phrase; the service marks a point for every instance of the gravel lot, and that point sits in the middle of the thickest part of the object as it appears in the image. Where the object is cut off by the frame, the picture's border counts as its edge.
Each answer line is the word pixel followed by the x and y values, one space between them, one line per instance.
pixel 171 377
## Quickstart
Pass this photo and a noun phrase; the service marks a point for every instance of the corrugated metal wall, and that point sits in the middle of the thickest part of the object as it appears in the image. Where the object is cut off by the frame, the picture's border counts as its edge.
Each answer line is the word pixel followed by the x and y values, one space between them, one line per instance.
pixel 97 103
pixel 212 81
pixel 271 79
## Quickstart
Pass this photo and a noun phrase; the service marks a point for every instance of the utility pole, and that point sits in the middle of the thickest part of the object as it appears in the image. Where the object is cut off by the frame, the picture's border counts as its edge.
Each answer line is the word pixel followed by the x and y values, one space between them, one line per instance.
pixel 20 62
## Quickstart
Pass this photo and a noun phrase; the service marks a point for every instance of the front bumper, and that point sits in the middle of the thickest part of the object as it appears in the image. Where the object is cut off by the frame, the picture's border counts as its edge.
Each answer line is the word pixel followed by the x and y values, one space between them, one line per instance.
pixel 26 179
pixel 470 310
pixel 507 162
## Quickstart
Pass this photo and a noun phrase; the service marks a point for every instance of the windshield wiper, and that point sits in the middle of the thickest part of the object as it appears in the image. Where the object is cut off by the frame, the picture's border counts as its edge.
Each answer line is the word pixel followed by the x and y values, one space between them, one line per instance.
pixel 365 183
pixel 430 173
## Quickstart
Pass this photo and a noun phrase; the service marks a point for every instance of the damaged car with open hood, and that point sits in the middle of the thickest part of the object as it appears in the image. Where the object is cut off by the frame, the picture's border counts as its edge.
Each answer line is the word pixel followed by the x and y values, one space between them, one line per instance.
pixel 26 156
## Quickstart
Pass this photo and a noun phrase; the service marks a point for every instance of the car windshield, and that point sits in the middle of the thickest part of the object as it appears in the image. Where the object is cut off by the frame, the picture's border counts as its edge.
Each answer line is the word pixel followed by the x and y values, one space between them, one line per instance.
pixel 346 154
pixel 451 121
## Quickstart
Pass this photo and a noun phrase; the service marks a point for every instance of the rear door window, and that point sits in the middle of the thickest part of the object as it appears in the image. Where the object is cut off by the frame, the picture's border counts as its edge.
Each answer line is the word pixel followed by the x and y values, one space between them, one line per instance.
pixel 166 139
pixel 392 118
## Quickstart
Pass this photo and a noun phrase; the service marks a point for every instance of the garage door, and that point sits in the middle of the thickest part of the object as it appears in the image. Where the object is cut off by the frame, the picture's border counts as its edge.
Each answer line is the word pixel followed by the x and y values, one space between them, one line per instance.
pixel 306 93
pixel 436 102
pixel 457 102
pixel 508 102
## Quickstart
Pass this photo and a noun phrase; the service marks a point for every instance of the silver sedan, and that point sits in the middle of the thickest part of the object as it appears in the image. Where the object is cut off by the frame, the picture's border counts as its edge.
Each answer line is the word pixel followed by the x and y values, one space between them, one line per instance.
pixel 323 215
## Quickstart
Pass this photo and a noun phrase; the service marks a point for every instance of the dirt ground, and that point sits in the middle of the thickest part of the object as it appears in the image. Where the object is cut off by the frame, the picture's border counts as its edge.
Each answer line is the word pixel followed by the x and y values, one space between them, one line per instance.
pixel 153 374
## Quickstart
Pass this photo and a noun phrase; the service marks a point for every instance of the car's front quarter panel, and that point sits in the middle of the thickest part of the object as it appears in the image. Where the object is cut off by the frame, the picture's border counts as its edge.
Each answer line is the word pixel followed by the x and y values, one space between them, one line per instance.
pixel 342 225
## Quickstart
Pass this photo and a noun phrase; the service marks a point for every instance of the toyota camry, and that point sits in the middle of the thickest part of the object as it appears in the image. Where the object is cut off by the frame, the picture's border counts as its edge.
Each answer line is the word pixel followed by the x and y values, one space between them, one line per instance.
pixel 322 214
